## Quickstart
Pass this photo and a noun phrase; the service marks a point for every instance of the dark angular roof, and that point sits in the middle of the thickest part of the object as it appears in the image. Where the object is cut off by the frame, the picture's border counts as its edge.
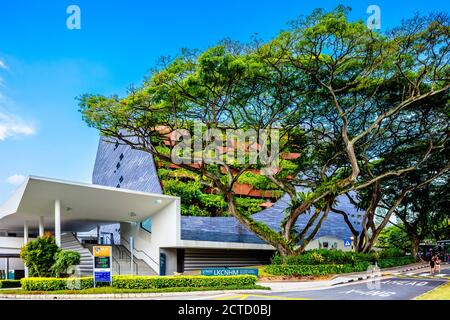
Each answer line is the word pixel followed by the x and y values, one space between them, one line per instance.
pixel 228 229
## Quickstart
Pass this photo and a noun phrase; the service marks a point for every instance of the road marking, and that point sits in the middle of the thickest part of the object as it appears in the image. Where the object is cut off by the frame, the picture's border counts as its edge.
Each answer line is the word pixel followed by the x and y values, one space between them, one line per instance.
pixel 441 276
pixel 246 296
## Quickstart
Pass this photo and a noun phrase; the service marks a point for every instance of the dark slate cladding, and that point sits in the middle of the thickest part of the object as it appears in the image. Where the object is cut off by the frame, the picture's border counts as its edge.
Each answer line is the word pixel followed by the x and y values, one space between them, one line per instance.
pixel 136 167
pixel 138 171
pixel 228 229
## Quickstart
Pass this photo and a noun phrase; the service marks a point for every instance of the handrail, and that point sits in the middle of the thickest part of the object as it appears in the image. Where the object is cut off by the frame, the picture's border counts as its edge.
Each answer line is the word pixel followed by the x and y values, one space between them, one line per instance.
pixel 118 247
pixel 117 262
pixel 140 251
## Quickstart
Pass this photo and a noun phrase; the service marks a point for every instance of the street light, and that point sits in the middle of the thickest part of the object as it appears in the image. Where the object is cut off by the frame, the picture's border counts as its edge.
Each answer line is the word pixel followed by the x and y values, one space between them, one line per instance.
pixel 352 238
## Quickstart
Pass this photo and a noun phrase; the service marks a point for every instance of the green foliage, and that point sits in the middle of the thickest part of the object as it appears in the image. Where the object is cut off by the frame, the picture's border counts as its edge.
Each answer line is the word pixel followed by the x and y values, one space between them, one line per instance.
pixel 139 282
pixel 63 260
pixel 39 255
pixel 323 262
pixel 52 284
pixel 249 205
pixel 213 203
pixel 323 256
pixel 395 262
pixel 314 270
pixel 390 253
pixel 154 282
pixel 189 192
pixel 258 181
pixel 9 284
pixel 394 237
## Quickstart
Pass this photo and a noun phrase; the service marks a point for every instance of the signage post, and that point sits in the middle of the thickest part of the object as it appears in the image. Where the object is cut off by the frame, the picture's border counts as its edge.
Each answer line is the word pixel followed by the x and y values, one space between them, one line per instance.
pixel 102 264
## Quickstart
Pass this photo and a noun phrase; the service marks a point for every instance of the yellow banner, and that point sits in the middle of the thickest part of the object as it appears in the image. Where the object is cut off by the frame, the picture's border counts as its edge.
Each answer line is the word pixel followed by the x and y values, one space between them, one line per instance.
pixel 102 251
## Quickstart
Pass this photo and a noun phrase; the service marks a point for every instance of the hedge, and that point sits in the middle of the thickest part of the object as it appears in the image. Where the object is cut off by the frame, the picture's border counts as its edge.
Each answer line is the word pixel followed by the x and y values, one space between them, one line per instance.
pixel 146 282
pixel 326 257
pixel 52 284
pixel 395 262
pixel 139 282
pixel 9 284
pixel 314 270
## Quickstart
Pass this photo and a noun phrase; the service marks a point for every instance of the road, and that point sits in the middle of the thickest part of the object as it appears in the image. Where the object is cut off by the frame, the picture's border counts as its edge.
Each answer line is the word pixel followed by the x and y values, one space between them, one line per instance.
pixel 404 286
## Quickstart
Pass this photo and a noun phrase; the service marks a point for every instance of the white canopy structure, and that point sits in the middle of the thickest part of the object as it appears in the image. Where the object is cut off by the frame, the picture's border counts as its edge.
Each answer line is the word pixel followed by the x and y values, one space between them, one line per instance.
pixel 48 204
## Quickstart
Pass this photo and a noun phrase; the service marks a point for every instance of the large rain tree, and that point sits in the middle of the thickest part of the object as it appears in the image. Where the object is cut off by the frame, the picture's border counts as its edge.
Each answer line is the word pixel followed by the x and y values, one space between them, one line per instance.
pixel 331 88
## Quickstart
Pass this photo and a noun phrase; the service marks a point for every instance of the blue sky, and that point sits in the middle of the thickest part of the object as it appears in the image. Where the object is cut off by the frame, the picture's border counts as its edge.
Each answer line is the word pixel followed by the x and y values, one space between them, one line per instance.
pixel 44 65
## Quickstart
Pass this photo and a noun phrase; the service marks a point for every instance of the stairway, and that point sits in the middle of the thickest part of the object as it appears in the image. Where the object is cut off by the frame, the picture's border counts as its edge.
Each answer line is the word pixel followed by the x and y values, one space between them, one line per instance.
pixel 122 263
pixel 70 242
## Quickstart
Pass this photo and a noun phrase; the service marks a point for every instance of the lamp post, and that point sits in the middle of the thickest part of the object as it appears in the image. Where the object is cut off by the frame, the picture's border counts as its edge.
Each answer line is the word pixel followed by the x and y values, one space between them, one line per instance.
pixel 353 247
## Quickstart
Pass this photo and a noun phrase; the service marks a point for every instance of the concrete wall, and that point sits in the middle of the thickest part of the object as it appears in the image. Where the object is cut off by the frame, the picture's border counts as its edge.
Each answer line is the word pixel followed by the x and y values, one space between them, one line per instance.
pixel 165 233
pixel 14 264
pixel 339 243
pixel 11 244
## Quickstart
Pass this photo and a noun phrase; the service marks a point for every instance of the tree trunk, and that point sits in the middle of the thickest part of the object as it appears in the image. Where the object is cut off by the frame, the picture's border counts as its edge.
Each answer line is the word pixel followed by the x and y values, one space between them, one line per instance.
pixel 415 241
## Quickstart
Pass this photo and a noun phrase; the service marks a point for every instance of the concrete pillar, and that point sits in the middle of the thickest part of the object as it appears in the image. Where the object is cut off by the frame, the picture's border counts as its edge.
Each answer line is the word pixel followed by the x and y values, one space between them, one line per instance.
pixel 25 232
pixel 25 241
pixel 41 226
pixel 58 222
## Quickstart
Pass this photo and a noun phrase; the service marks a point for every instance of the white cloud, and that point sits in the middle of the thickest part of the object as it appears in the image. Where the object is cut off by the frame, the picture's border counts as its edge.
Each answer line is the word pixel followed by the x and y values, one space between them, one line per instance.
pixel 3 65
pixel 16 179
pixel 12 126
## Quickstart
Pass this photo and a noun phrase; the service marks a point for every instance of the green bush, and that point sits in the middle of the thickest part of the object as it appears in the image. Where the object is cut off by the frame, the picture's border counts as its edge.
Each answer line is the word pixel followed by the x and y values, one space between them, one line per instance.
pixel 39 255
pixel 155 282
pixel 395 262
pixel 391 253
pixel 9 284
pixel 323 256
pixel 53 284
pixel 139 282
pixel 314 270
pixel 63 260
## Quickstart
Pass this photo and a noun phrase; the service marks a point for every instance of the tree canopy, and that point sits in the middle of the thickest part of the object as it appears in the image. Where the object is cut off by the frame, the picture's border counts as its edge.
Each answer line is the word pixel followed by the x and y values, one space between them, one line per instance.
pixel 364 110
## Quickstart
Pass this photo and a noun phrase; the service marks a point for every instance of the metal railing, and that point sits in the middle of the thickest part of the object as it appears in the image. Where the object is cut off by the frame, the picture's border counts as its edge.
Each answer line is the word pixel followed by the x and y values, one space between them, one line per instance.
pixel 140 251
pixel 122 251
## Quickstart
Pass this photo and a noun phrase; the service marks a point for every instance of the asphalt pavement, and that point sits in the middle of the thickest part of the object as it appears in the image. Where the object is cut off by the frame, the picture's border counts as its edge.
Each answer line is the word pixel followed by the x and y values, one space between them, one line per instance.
pixel 401 286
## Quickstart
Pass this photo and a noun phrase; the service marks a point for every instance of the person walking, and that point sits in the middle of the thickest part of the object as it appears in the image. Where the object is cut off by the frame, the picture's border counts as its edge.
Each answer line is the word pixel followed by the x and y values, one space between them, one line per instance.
pixel 438 264
pixel 432 263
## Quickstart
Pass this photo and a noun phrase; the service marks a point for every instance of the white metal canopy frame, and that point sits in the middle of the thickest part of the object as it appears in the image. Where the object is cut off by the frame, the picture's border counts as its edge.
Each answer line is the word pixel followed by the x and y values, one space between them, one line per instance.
pixel 41 204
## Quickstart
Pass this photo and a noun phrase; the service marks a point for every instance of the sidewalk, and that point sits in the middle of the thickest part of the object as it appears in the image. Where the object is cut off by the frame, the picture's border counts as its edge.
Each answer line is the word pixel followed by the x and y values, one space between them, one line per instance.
pixel 338 279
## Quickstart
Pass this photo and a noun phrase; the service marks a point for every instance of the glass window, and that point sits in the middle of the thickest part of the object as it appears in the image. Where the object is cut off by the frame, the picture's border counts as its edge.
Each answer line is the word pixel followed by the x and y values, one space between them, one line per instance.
pixel 147 225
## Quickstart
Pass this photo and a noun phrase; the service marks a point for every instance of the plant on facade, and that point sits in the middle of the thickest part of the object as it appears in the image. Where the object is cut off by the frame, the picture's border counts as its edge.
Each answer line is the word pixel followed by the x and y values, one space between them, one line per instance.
pixel 339 94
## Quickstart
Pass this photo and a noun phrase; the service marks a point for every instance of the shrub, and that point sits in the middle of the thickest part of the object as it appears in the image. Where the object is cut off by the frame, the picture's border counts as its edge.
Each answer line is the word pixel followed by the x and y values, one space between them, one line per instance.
pixel 394 262
pixel 156 282
pixel 53 284
pixel 9 284
pixel 63 260
pixel 39 255
pixel 314 270
pixel 323 256
pixel 391 253
pixel 139 282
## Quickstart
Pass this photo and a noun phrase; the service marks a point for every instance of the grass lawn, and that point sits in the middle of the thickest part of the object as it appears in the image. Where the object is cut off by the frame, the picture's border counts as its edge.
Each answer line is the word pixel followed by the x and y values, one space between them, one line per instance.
pixel 111 290
pixel 440 293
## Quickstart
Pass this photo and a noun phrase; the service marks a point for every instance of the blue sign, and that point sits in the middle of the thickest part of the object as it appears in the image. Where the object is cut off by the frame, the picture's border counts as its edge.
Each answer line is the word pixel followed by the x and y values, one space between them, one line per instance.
pixel 347 242
pixel 102 276
pixel 229 271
